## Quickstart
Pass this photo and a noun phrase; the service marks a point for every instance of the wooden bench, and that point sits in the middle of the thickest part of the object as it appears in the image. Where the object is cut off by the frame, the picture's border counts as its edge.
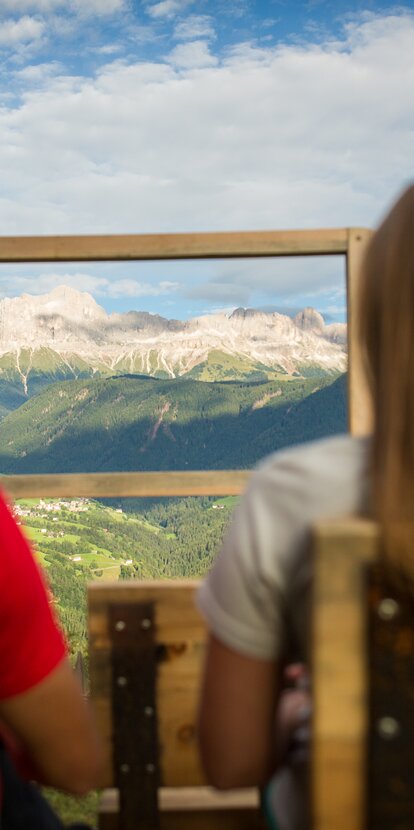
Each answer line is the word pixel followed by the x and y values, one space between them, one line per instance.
pixel 147 643
pixel 362 766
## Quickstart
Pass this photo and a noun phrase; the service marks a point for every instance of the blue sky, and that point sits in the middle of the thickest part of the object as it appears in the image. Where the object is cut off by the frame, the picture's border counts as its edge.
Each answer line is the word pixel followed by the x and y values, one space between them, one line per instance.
pixel 179 115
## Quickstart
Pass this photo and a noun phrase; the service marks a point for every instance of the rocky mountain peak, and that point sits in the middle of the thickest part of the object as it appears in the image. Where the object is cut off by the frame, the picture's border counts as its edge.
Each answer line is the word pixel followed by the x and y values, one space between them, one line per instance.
pixel 242 313
pixel 309 320
pixel 69 302
pixel 76 329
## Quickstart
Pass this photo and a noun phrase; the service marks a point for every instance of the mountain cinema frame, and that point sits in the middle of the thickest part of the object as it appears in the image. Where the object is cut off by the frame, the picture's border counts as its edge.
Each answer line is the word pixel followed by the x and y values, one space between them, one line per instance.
pixel 348 242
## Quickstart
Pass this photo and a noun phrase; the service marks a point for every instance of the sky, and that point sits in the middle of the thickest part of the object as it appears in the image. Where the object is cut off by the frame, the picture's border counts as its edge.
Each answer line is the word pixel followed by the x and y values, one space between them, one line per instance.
pixel 120 116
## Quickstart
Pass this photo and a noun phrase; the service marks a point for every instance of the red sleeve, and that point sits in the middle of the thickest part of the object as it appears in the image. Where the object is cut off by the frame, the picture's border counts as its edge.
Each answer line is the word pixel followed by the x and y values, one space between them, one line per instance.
pixel 31 644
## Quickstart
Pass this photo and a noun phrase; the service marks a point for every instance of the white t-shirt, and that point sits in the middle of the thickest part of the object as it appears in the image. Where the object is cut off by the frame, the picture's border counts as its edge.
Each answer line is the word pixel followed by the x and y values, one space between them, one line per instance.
pixel 256 597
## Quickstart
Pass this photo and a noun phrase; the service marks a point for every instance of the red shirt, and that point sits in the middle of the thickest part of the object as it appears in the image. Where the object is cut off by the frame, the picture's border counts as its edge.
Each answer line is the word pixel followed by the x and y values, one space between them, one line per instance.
pixel 31 644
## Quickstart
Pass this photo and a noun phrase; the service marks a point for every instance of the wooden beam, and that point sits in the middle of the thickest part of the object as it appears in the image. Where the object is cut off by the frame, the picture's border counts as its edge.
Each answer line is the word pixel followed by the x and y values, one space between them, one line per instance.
pixel 173 246
pixel 359 398
pixel 127 485
pixel 194 798
pixel 340 673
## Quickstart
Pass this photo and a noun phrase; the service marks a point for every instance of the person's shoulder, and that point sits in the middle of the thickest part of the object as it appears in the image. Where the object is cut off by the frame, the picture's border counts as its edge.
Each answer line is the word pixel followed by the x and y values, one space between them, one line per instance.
pixel 318 467
pixel 314 454
pixel 347 445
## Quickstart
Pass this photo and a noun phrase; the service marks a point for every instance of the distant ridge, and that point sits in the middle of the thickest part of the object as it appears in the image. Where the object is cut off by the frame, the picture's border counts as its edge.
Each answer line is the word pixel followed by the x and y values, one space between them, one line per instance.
pixel 131 423
pixel 66 335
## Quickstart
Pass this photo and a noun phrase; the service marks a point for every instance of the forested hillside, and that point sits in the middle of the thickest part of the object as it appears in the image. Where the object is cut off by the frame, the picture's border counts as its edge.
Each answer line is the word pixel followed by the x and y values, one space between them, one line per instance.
pixel 141 423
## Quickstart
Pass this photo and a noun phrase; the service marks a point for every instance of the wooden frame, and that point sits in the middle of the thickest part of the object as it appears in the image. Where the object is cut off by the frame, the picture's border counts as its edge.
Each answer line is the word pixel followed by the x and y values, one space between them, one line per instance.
pixel 349 242
pixel 179 636
pixel 182 632
pixel 342 551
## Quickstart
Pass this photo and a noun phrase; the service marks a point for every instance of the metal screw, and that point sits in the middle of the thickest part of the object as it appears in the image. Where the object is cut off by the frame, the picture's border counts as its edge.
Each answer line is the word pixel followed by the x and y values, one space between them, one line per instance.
pixel 388 728
pixel 146 623
pixel 125 769
pixel 121 681
pixel 388 609
pixel 120 625
pixel 148 711
pixel 150 768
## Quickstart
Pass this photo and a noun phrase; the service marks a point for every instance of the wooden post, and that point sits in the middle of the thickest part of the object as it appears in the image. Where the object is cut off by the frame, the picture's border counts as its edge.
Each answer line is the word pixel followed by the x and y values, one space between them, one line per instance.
pixel 340 674
pixel 359 399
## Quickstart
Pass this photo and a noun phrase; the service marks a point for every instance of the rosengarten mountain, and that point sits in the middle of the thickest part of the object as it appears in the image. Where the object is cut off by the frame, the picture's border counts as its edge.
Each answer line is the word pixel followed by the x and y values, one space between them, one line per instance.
pixel 66 335
pixel 83 390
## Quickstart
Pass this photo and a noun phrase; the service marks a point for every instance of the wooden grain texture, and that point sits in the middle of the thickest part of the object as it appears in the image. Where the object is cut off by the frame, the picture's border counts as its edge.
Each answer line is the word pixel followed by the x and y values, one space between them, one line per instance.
pixel 181 633
pixel 340 674
pixel 126 485
pixel 185 803
pixel 173 799
pixel 391 664
pixel 359 405
pixel 234 819
pixel 194 808
pixel 173 246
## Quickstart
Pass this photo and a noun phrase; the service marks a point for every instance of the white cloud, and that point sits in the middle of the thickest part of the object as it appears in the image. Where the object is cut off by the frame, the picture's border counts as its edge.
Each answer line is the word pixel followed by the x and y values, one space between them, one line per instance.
pixel 235 281
pixel 20 31
pixel 167 8
pixel 39 73
pixel 109 49
pixel 194 55
pixel 18 6
pixel 195 26
pixel 12 285
pixel 84 7
pixel 133 288
pixel 99 7
pixel 298 136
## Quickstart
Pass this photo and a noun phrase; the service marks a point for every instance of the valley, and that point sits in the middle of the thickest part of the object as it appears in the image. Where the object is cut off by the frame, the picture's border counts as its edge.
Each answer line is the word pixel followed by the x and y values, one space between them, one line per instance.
pixel 80 540
pixel 84 391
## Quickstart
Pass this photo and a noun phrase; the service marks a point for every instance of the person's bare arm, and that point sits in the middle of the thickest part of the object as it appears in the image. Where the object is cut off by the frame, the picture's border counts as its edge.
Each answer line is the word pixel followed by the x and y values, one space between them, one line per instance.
pixel 236 718
pixel 53 722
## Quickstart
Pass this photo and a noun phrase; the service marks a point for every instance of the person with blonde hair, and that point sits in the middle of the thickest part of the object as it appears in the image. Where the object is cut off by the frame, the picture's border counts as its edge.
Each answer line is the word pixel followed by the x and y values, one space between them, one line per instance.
pixel 256 597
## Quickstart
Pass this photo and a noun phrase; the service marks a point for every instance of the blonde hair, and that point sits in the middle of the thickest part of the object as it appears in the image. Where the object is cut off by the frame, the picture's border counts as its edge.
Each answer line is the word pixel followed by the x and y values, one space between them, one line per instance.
pixel 387 340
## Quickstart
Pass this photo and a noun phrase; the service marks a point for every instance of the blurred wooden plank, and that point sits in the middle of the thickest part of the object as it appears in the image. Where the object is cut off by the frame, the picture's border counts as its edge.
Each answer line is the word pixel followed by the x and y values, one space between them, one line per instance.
pixel 359 400
pixel 340 673
pixel 126 485
pixel 194 808
pixel 193 798
pixel 173 246
pixel 180 634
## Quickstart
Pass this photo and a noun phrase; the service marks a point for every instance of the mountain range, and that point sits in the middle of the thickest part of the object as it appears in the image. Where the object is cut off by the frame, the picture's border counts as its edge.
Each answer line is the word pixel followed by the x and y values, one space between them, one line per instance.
pixel 83 390
pixel 66 335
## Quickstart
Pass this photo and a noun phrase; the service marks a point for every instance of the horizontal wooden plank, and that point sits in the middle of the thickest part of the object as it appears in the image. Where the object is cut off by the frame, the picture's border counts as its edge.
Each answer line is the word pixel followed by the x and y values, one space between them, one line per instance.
pixel 127 485
pixel 194 808
pixel 192 798
pixel 226 819
pixel 173 246
pixel 177 615
pixel 341 533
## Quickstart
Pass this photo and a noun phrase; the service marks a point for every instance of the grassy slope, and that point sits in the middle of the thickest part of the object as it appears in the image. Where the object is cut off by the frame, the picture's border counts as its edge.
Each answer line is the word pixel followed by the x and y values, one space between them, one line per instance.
pixel 42 367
